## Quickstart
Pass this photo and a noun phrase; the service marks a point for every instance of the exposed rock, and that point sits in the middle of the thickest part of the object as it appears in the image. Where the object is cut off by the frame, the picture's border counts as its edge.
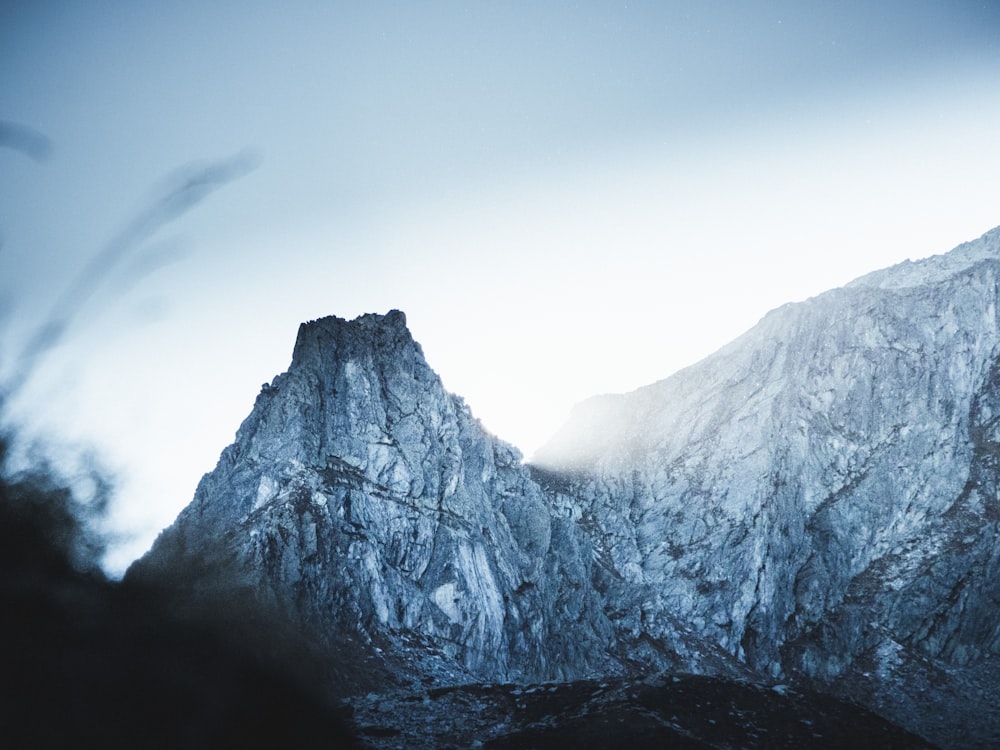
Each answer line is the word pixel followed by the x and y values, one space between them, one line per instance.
pixel 365 497
pixel 816 503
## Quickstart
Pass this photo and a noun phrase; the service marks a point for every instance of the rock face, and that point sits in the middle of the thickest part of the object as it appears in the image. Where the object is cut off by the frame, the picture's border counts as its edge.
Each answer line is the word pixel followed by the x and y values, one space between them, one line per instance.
pixel 367 499
pixel 818 501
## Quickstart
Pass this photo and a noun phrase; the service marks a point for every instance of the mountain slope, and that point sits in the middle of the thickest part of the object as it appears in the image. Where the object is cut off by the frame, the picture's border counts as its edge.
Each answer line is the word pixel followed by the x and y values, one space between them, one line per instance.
pixel 819 497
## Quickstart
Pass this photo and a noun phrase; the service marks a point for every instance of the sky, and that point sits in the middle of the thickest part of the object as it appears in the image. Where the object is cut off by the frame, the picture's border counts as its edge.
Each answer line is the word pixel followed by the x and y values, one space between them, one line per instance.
pixel 566 198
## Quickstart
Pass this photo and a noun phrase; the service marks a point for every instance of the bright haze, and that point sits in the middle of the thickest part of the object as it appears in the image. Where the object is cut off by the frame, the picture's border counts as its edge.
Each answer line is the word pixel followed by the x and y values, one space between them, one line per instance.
pixel 565 198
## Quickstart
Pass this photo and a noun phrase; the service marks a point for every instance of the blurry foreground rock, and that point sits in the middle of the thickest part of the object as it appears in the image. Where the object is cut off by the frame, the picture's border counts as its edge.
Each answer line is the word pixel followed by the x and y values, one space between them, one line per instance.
pixel 85 662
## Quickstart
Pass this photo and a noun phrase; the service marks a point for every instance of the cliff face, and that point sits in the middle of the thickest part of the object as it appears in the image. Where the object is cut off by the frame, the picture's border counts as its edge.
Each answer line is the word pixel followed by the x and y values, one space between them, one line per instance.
pixel 368 500
pixel 816 501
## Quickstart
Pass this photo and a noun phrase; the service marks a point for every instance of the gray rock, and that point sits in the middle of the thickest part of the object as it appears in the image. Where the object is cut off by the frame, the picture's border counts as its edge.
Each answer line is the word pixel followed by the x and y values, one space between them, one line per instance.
pixel 817 502
pixel 363 497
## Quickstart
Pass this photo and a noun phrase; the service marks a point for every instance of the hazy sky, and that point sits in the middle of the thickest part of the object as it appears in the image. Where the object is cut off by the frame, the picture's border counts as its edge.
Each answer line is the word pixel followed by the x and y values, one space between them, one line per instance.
pixel 565 198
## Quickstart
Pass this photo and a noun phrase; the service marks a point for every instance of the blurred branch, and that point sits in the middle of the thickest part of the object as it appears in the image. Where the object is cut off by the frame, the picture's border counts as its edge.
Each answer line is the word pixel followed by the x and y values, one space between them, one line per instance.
pixel 183 192
pixel 49 520
pixel 28 141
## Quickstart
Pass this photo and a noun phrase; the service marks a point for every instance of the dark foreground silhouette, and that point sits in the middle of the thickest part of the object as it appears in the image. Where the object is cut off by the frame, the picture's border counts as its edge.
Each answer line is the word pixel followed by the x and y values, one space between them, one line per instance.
pixel 86 662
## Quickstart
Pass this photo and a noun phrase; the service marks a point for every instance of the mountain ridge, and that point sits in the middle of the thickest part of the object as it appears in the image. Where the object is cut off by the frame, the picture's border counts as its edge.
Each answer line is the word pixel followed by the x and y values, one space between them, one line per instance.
pixel 905 273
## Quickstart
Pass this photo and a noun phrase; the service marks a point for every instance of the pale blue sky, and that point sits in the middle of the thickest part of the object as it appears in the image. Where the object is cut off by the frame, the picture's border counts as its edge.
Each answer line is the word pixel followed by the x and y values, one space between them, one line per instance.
pixel 565 198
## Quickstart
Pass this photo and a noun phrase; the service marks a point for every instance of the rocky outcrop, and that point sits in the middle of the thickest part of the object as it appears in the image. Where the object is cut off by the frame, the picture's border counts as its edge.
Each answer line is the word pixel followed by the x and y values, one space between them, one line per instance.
pixel 363 497
pixel 816 502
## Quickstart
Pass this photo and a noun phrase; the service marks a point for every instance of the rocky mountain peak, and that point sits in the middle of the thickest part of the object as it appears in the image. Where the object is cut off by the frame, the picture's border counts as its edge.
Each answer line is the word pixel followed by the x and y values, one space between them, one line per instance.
pixel 320 342
pixel 364 497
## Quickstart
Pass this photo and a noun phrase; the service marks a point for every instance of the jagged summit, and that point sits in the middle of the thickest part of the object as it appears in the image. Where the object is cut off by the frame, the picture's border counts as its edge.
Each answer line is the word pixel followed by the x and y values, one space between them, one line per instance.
pixel 322 339
pixel 370 323
pixel 817 503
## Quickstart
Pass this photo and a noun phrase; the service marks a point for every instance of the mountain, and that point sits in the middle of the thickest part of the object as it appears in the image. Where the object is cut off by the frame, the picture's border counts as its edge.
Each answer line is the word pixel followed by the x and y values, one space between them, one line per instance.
pixel 816 504
pixel 362 495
